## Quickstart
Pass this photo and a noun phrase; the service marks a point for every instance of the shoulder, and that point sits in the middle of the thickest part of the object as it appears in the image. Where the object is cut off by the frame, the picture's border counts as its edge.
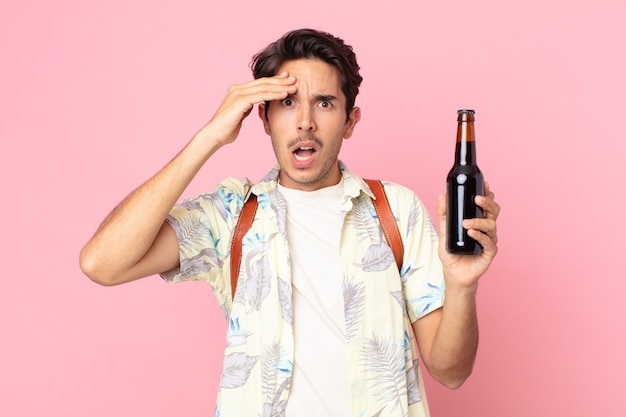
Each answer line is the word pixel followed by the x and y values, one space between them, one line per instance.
pixel 398 194
pixel 226 200
pixel 230 191
pixel 233 185
pixel 407 207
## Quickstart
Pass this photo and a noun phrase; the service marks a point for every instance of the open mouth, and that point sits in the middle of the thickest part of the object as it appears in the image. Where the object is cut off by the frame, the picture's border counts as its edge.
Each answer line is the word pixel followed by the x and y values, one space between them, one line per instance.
pixel 304 153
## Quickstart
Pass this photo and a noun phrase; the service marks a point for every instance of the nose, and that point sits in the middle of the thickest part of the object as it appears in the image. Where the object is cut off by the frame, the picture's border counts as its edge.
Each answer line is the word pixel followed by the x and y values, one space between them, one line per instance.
pixel 305 119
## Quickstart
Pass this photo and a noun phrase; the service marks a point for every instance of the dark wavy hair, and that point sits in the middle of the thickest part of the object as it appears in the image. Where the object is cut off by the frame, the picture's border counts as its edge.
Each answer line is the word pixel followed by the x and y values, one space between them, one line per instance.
pixel 311 44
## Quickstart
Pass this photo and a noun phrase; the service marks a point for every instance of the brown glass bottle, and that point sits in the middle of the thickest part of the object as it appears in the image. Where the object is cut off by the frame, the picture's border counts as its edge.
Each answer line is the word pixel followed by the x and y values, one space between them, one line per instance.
pixel 465 181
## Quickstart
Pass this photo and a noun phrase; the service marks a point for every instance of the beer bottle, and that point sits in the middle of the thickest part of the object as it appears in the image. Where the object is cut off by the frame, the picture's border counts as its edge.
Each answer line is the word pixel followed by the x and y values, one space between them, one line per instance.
pixel 465 181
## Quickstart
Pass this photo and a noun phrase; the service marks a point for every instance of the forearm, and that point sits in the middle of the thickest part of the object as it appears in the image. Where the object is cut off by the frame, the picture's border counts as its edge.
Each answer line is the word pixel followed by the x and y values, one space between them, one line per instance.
pixel 454 346
pixel 129 232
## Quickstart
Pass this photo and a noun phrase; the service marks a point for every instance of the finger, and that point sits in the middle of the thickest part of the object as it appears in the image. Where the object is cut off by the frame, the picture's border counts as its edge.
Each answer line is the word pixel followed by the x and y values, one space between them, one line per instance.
pixel 489 245
pixel 281 79
pixel 264 89
pixel 486 203
pixel 484 226
pixel 488 191
pixel 262 94
pixel 482 230
pixel 490 208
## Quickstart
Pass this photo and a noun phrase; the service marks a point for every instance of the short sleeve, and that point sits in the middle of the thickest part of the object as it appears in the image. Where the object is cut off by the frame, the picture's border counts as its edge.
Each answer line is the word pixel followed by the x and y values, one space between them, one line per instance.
pixel 204 226
pixel 422 272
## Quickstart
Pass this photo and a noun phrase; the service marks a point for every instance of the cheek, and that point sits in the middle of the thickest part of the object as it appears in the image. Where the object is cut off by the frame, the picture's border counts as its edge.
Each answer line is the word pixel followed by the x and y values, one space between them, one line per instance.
pixel 340 127
pixel 279 121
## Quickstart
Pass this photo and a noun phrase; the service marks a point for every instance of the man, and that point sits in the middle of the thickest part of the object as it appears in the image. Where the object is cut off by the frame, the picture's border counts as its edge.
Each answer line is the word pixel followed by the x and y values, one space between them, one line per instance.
pixel 322 320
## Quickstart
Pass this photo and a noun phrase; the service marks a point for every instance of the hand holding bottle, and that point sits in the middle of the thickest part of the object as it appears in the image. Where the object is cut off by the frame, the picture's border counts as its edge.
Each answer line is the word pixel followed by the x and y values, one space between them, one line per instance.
pixel 468 213
pixel 463 269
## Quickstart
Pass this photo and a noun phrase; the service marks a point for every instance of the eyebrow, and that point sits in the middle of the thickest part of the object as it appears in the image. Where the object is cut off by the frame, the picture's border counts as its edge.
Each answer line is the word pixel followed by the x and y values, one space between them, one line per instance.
pixel 325 97
pixel 318 97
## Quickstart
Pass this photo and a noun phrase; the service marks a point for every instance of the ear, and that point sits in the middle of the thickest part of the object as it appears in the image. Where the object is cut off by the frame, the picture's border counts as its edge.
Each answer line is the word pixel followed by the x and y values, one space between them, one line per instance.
pixel 266 125
pixel 353 119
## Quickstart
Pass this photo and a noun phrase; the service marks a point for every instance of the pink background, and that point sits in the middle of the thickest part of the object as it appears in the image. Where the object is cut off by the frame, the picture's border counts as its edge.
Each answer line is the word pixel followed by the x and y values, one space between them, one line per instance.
pixel 95 96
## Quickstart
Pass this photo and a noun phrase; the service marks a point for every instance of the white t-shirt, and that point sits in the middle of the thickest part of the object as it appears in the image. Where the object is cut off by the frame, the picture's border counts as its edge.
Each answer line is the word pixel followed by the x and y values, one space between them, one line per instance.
pixel 320 383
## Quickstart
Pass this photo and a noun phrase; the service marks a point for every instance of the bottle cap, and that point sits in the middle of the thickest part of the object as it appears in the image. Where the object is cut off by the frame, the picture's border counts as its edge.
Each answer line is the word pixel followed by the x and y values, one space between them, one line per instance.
pixel 465 116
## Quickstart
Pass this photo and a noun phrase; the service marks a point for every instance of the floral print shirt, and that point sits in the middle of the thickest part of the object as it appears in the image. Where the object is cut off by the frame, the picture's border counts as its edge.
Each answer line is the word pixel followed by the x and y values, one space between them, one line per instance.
pixel 380 302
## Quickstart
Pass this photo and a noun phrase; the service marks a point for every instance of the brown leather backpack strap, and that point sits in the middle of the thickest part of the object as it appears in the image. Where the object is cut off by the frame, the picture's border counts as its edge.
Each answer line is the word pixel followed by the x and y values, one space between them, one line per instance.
pixel 387 220
pixel 381 205
pixel 244 222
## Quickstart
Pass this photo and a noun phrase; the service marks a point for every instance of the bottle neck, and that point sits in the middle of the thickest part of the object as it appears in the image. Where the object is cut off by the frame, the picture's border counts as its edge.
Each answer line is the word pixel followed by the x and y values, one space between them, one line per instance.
pixel 465 143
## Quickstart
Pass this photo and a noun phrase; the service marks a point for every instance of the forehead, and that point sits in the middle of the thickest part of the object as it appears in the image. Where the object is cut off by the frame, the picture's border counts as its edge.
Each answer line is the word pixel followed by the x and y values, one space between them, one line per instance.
pixel 314 75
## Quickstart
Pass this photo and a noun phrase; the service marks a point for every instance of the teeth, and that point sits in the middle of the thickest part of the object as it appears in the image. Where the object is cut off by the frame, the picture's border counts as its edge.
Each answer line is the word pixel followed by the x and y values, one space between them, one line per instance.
pixel 306 149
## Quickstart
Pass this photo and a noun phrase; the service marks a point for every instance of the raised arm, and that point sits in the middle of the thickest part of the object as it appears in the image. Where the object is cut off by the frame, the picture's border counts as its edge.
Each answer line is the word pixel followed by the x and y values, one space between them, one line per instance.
pixel 134 241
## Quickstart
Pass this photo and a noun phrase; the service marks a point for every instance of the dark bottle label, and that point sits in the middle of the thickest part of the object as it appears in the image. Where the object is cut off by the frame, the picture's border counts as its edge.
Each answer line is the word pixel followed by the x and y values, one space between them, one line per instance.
pixel 464 184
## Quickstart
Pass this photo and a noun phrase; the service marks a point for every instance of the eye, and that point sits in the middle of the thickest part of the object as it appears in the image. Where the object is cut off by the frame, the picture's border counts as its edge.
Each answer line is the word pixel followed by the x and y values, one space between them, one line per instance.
pixel 325 104
pixel 287 102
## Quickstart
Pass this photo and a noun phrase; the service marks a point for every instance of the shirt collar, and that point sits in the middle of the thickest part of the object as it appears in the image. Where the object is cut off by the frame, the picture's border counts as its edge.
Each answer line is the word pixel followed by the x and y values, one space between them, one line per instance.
pixel 353 184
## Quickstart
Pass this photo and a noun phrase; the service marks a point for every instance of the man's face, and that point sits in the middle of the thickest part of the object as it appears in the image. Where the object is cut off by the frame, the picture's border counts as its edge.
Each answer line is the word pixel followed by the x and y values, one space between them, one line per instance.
pixel 307 128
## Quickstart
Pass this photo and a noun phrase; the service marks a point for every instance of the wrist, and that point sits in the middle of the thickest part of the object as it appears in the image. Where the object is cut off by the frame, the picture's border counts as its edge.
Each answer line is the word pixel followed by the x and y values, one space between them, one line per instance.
pixel 206 142
pixel 460 289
